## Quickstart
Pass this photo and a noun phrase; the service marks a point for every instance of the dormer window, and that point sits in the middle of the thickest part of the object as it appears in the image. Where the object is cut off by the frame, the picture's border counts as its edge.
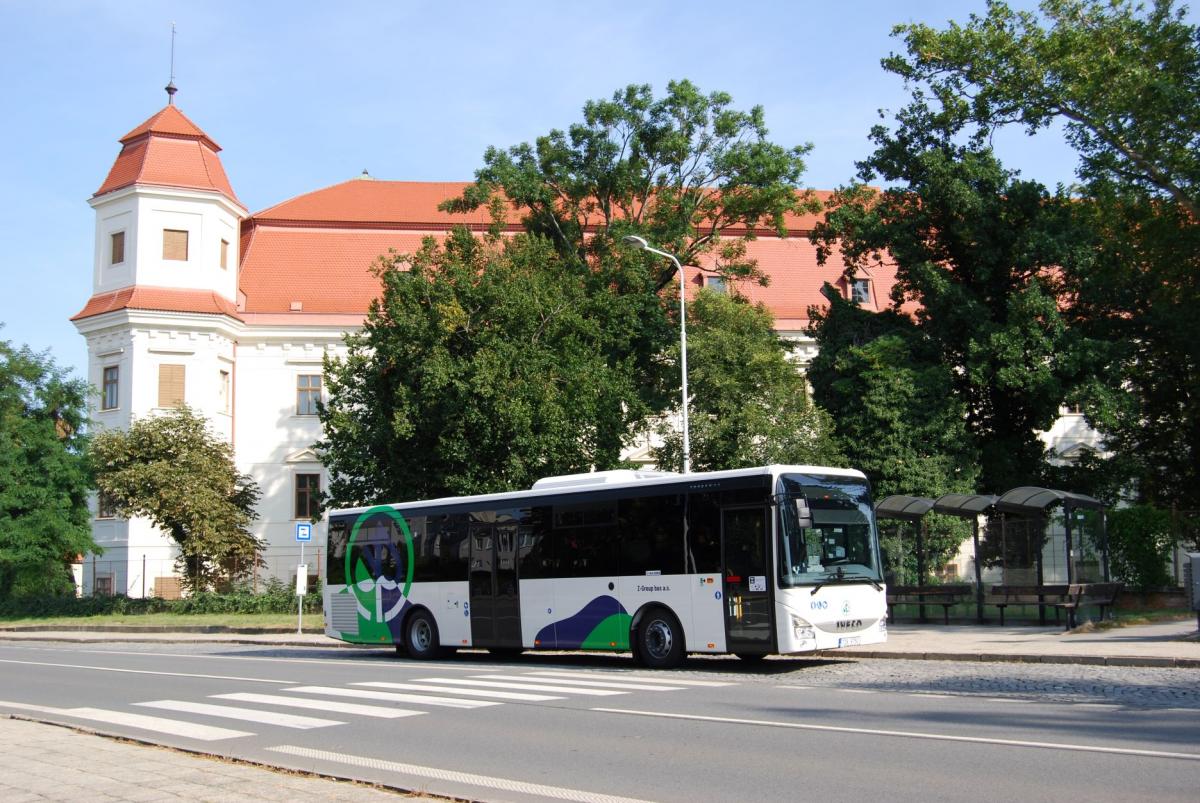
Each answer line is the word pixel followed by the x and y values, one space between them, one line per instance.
pixel 860 291
pixel 117 252
pixel 175 244
pixel 715 283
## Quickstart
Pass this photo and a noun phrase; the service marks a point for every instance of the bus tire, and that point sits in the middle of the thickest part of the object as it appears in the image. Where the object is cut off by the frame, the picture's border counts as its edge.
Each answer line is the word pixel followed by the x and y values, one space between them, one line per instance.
pixel 421 636
pixel 658 639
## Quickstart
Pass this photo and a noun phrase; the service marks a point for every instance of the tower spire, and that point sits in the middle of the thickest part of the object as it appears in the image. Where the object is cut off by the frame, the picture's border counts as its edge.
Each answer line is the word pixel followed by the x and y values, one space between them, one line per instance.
pixel 170 87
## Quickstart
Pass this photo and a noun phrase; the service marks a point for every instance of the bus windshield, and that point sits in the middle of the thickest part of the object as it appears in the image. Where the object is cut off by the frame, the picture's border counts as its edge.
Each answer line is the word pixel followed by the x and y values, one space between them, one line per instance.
pixel 838 543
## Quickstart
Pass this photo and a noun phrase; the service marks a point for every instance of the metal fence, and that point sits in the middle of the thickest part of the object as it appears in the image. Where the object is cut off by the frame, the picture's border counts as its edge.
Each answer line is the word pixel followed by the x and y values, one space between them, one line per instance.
pixel 152 571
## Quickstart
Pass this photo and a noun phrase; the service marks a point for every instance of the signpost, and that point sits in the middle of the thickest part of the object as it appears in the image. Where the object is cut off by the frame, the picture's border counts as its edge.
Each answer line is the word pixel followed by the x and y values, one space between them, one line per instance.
pixel 303 536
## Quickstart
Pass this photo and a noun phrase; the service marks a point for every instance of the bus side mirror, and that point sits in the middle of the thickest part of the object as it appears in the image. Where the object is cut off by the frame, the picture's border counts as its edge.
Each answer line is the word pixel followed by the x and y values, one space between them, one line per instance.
pixel 803 514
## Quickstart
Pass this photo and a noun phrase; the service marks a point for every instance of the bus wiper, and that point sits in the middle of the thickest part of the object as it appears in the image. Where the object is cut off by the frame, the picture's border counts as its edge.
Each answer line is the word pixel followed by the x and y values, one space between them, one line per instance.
pixel 840 575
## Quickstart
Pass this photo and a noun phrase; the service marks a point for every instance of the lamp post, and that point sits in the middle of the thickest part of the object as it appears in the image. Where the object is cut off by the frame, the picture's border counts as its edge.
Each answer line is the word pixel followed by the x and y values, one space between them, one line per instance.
pixel 641 243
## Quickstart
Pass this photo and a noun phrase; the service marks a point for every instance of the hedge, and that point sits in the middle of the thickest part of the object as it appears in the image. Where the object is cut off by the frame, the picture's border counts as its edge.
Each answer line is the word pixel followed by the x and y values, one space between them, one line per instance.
pixel 278 597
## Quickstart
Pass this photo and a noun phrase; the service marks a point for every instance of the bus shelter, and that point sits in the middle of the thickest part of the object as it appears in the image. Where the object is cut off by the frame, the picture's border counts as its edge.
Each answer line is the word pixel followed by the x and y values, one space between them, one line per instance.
pixel 971 507
pixel 1070 548
pixel 908 511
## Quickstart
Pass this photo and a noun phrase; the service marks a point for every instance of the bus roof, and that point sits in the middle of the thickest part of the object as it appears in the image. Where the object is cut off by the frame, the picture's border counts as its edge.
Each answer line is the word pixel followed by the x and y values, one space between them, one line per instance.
pixel 609 481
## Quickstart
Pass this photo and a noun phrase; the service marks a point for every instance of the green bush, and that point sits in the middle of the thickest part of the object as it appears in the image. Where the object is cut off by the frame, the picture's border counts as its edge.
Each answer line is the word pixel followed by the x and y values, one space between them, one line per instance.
pixel 277 597
pixel 1140 542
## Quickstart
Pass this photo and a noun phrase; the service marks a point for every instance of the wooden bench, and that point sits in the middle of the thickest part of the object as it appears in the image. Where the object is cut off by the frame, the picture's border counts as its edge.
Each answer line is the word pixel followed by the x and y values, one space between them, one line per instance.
pixel 1060 597
pixel 1103 595
pixel 946 595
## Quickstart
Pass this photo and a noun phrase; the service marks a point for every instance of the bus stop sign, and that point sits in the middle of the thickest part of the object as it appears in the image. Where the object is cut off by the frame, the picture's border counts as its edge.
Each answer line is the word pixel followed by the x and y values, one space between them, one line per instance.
pixel 303 532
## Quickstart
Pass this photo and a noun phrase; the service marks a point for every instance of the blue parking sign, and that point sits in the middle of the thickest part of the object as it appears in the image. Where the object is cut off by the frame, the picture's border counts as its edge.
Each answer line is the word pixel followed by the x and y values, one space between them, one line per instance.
pixel 303 532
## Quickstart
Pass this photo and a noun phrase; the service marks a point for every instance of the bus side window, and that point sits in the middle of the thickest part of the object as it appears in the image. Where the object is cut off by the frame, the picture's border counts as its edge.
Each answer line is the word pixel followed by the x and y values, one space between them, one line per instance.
pixel 538 561
pixel 452 547
pixel 704 533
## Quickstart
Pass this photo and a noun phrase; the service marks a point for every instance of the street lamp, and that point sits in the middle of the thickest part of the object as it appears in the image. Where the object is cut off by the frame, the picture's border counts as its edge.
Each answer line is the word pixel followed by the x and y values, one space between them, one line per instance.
pixel 641 243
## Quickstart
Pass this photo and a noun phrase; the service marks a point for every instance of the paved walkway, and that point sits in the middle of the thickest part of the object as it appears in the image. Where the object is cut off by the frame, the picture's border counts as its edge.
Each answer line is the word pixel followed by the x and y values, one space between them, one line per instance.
pixel 46 762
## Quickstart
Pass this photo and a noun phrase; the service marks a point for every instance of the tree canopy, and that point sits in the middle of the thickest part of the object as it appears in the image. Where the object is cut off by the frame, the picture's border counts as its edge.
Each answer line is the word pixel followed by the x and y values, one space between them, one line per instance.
pixel 174 471
pixel 750 406
pixel 1123 79
pixel 490 361
pixel 978 254
pixel 44 519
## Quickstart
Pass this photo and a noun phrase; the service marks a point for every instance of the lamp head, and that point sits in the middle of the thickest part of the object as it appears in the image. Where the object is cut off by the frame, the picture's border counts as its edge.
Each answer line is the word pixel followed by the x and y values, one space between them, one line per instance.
pixel 634 240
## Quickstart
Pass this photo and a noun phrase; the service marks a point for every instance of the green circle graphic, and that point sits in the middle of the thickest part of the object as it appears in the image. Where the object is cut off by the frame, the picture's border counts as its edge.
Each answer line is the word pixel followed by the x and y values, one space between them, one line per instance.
pixel 395 516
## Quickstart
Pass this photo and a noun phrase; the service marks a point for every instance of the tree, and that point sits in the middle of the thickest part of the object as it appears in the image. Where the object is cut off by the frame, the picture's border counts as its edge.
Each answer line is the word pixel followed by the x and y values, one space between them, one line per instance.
pixel 898 419
pixel 44 519
pixel 490 361
pixel 477 370
pixel 686 171
pixel 174 471
pixel 1123 79
pixel 749 403
pixel 979 253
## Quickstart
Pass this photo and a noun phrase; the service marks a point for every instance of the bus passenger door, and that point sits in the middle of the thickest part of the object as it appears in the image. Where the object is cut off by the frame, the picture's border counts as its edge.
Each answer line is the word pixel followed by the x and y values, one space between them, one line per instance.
pixel 495 598
pixel 747 579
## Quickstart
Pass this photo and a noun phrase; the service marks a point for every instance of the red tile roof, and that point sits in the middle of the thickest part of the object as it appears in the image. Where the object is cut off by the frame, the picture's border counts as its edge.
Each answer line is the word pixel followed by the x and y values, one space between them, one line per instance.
pixel 168 150
pixel 163 299
pixel 317 249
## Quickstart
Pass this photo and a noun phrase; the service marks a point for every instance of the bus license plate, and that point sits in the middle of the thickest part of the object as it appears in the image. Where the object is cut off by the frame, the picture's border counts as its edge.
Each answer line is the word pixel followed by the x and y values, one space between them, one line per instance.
pixel 850 641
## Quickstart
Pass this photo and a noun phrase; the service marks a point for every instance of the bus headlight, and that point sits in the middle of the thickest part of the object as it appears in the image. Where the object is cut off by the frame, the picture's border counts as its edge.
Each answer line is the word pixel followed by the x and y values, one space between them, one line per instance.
pixel 801 629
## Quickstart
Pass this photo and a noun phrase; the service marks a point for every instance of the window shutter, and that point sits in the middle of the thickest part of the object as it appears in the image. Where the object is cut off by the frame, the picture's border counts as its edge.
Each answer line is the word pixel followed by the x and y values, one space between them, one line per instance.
pixel 170 385
pixel 175 244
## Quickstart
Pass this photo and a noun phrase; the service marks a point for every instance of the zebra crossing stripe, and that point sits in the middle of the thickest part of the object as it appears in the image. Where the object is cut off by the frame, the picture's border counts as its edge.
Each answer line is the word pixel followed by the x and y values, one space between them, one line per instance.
pixel 173 727
pixel 499 695
pixel 604 684
pixel 395 697
pixel 636 678
pixel 334 707
pixel 247 714
pixel 495 684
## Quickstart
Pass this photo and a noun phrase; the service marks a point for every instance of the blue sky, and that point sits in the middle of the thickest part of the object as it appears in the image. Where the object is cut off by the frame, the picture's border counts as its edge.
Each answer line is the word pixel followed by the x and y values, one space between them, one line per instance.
pixel 303 95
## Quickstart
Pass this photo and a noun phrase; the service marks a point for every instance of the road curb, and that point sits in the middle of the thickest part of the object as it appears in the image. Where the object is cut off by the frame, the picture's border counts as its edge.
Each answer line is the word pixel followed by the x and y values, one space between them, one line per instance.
pixel 1026 658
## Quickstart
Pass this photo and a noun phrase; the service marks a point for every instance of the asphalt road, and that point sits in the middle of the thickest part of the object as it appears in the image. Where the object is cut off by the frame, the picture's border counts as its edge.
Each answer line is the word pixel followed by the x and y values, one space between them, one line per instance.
pixel 572 727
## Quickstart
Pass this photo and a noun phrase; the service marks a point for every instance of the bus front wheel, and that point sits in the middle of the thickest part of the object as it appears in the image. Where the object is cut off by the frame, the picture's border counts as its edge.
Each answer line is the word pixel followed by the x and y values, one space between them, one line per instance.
pixel 421 636
pixel 659 639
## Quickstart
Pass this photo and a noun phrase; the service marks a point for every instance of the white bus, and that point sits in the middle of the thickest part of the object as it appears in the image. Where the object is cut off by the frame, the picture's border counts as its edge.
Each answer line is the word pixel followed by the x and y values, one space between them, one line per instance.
pixel 778 559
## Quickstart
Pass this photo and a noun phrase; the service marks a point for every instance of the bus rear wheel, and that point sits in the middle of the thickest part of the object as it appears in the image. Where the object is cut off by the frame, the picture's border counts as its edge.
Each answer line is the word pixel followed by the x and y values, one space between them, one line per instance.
pixel 421 637
pixel 659 639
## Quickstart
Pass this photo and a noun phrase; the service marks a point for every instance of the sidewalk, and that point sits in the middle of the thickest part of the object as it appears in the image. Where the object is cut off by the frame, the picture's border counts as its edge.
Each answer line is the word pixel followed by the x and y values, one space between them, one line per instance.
pixel 47 762
pixel 1165 644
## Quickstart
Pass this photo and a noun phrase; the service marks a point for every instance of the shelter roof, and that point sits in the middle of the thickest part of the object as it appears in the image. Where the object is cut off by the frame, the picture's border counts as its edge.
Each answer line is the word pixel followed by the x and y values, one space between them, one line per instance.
pixel 906 508
pixel 966 506
pixel 1032 501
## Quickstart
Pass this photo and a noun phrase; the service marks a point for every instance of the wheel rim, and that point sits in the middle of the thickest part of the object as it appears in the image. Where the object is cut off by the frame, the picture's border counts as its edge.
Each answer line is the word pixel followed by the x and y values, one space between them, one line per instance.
pixel 422 635
pixel 659 639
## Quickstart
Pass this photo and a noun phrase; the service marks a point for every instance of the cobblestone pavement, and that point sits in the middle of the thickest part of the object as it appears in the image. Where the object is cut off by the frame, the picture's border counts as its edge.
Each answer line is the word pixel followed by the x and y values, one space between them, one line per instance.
pixel 1127 686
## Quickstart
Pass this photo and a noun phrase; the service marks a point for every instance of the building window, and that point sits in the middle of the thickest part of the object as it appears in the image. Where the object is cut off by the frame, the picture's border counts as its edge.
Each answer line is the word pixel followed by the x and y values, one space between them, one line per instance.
pixel 860 291
pixel 308 496
pixel 105 509
pixel 109 397
pixel 224 386
pixel 104 585
pixel 308 393
pixel 715 283
pixel 224 254
pixel 117 255
pixel 170 385
pixel 175 244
